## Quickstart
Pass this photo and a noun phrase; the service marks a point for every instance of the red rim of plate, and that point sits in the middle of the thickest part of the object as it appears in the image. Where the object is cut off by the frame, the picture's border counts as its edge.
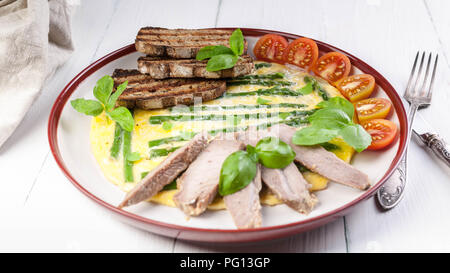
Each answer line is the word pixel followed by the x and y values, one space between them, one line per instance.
pixel 285 229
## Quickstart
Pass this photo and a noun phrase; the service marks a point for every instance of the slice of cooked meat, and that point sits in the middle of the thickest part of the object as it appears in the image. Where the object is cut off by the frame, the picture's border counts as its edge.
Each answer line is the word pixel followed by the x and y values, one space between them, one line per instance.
pixel 323 162
pixel 179 43
pixel 289 186
pixel 166 171
pixel 199 183
pixel 244 205
pixel 161 68
pixel 147 93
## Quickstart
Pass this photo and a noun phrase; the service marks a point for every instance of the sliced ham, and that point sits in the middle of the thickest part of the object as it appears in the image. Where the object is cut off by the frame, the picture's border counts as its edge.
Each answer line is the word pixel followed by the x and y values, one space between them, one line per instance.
pixel 323 162
pixel 244 205
pixel 166 172
pixel 289 186
pixel 199 183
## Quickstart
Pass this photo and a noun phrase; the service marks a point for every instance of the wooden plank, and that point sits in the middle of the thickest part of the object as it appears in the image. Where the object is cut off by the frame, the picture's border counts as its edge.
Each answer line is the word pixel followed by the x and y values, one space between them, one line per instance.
pixel 128 19
pixel 388 40
pixel 56 217
pixel 328 238
pixel 22 156
pixel 309 22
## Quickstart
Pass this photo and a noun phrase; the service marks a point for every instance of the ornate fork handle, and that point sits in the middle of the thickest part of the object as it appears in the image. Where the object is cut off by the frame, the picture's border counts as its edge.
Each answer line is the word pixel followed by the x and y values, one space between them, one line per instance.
pixel 390 194
pixel 392 191
pixel 437 145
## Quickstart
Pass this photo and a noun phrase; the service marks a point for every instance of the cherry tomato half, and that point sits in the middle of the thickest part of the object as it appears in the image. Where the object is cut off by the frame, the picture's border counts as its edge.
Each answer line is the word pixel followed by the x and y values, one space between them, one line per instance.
pixel 356 87
pixel 302 52
pixel 270 48
pixel 382 131
pixel 372 108
pixel 332 67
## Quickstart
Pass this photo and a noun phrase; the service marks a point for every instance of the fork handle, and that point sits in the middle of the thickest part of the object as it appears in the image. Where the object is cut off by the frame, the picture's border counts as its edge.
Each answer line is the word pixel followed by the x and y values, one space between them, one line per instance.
pixel 390 194
pixel 437 145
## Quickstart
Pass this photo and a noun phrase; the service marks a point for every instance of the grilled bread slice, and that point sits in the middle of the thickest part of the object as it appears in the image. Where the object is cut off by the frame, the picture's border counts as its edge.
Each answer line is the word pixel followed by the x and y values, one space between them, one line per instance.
pixel 179 43
pixel 147 93
pixel 161 68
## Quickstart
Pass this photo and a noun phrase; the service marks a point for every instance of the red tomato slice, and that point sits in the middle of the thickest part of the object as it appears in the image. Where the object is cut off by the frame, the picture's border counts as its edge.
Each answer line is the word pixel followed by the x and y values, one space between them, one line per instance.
pixel 270 48
pixel 302 52
pixel 356 87
pixel 372 108
pixel 383 132
pixel 332 67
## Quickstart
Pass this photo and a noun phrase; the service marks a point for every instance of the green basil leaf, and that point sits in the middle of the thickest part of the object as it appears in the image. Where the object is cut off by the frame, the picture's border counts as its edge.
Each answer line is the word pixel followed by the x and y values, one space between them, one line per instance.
pixel 260 100
pixel 330 118
pixel 135 156
pixel 307 89
pixel 209 51
pixel 237 42
pixel 313 135
pixel 113 98
pixel 87 107
pixel 221 61
pixel 167 126
pixel 122 116
pixel 252 153
pixel 103 89
pixel 338 103
pixel 274 153
pixel 238 170
pixel 355 136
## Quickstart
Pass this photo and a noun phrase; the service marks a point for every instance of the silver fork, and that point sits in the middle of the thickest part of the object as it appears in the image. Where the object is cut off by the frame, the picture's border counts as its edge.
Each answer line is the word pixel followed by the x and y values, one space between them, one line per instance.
pixel 390 194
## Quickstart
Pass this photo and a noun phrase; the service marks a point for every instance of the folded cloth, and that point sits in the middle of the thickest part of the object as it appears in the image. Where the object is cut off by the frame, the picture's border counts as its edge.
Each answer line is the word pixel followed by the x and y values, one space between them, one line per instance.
pixel 35 38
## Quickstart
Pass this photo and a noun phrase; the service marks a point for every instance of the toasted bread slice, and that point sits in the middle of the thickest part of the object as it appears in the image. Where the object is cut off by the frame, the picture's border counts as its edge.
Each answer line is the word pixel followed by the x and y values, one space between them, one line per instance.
pixel 179 43
pixel 161 68
pixel 147 93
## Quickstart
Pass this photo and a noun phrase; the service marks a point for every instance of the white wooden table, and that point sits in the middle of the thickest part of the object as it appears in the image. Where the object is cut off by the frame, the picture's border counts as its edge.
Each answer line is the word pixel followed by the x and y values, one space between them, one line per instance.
pixel 41 211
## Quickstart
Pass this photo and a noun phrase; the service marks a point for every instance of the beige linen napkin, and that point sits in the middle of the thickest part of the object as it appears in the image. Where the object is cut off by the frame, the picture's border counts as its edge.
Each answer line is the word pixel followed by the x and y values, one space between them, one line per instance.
pixel 35 38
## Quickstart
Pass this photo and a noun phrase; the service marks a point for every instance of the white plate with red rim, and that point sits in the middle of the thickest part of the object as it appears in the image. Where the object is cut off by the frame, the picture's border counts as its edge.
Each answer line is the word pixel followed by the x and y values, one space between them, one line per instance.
pixel 68 133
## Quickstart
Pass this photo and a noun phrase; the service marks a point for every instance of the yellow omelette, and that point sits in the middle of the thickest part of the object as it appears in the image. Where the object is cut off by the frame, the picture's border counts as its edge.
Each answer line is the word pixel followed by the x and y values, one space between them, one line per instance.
pixel 102 132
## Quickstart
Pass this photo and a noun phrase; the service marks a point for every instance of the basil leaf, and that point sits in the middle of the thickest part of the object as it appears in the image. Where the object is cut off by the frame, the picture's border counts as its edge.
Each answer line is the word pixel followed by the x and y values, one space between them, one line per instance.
pixel 356 136
pixel 274 153
pixel 122 116
pixel 238 170
pixel 338 103
pixel 103 89
pixel 237 42
pixel 210 51
pixel 252 153
pixel 135 156
pixel 167 125
pixel 307 89
pixel 113 98
pixel 313 135
pixel 221 61
pixel 87 107
pixel 330 118
pixel 260 100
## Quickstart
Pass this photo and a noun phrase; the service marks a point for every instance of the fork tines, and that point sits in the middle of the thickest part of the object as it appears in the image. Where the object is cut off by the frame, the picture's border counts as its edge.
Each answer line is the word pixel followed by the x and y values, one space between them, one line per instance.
pixel 416 93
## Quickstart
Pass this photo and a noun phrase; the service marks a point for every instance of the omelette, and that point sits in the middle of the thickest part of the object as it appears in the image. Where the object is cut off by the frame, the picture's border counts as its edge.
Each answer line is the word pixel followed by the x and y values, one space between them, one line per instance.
pixel 251 100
